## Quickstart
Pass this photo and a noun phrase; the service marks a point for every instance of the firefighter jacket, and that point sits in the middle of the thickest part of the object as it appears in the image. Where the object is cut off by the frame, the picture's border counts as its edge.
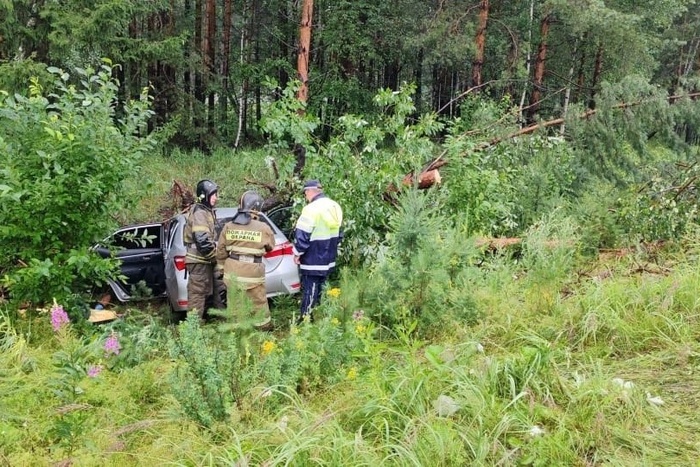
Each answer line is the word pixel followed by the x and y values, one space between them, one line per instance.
pixel 240 251
pixel 317 235
pixel 199 235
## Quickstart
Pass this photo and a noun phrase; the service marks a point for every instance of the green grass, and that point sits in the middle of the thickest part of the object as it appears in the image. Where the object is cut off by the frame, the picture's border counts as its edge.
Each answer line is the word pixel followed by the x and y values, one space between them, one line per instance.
pixel 234 172
pixel 566 366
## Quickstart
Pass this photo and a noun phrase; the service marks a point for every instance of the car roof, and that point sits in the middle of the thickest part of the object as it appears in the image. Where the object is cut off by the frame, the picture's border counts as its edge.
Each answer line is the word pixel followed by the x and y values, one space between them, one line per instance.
pixel 226 212
pixel 221 213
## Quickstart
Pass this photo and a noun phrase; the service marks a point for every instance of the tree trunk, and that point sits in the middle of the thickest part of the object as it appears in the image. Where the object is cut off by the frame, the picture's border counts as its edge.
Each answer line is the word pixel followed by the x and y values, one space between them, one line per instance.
pixel 480 43
pixel 303 60
pixel 391 75
pixel 597 69
pixel 210 62
pixel 581 80
pixel 225 61
pixel 187 74
pixel 538 81
pixel 283 43
pixel 567 93
pixel 527 61
pixel 243 94
pixel 198 104
pixel 304 49
pixel 442 87
pixel 418 74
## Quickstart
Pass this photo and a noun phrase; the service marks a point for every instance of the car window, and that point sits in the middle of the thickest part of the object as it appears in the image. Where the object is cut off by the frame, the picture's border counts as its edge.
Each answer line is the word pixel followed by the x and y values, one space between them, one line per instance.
pixel 220 225
pixel 137 237
pixel 282 218
pixel 171 230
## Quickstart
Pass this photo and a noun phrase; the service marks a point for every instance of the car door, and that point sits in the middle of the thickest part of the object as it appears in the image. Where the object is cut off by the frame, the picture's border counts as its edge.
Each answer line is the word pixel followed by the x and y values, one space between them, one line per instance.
pixel 139 251
pixel 175 269
pixel 281 216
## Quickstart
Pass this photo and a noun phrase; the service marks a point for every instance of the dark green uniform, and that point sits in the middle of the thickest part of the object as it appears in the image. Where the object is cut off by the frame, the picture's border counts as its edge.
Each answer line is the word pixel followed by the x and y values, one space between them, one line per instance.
pixel 240 250
pixel 201 256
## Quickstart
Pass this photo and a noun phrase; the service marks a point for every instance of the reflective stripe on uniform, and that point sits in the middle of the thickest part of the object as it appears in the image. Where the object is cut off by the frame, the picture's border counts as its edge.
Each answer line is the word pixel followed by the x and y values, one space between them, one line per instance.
pixel 245 251
pixel 323 267
pixel 321 218
pixel 246 280
pixel 305 223
pixel 200 228
pixel 197 258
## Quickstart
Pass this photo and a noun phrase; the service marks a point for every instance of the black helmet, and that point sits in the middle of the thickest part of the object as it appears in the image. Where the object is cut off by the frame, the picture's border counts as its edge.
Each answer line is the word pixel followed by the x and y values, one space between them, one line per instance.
pixel 206 188
pixel 250 202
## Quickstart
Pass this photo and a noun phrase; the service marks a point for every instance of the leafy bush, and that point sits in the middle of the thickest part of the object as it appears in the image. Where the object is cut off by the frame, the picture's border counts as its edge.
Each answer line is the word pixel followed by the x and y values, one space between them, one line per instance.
pixel 64 159
pixel 359 164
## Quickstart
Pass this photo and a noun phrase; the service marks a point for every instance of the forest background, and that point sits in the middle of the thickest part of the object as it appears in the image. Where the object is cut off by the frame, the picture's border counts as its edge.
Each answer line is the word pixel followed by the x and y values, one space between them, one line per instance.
pixel 571 125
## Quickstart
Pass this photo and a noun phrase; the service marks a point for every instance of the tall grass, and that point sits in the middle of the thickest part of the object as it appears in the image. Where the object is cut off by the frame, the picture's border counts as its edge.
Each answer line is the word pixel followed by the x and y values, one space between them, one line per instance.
pixel 555 364
pixel 234 172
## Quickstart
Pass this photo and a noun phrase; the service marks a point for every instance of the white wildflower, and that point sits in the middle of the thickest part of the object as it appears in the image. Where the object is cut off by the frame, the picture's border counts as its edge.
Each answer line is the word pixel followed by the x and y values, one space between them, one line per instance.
pixel 622 383
pixel 282 424
pixel 654 400
pixel 445 406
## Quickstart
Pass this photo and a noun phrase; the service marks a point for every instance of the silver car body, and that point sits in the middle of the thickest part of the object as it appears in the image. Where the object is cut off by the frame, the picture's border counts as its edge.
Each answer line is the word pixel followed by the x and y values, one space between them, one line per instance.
pixel 168 250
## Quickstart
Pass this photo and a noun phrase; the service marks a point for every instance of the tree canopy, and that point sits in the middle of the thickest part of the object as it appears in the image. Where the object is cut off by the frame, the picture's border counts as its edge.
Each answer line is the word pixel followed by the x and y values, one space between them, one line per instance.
pixel 209 62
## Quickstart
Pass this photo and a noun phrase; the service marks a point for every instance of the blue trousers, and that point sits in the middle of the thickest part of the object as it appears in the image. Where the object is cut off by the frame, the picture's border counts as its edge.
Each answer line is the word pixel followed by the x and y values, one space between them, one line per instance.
pixel 311 288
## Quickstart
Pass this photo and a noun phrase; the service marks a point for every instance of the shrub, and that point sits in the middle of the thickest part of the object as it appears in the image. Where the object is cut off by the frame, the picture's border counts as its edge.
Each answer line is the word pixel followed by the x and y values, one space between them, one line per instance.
pixel 204 377
pixel 64 159
pixel 422 279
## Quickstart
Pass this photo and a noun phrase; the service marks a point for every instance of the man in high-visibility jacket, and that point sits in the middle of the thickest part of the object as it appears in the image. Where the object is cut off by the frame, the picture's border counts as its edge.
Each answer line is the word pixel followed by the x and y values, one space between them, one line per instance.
pixel 242 243
pixel 317 236
pixel 200 241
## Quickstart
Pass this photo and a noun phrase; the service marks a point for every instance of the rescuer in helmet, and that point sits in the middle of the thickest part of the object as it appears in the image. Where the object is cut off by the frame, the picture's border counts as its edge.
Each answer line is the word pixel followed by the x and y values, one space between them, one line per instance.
pixel 241 246
pixel 200 241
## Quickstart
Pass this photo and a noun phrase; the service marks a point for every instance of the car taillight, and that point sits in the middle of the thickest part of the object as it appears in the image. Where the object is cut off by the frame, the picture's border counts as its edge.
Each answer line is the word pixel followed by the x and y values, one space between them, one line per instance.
pixel 281 250
pixel 179 263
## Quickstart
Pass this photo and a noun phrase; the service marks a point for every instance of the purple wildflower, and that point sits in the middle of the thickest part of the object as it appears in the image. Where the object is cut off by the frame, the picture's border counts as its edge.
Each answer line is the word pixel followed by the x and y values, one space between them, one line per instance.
pixel 358 315
pixel 94 370
pixel 59 317
pixel 112 345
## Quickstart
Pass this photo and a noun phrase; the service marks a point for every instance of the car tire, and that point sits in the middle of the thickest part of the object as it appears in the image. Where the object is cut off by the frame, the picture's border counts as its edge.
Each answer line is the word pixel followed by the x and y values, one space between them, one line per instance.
pixel 175 316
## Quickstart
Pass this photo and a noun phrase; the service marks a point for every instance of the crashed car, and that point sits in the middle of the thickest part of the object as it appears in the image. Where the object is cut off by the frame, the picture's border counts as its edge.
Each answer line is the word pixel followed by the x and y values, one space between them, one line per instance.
pixel 154 254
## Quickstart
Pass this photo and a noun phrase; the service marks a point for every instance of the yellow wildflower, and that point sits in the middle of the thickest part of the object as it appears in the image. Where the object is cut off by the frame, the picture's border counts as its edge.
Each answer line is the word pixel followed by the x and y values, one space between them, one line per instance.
pixel 352 373
pixel 268 347
pixel 335 321
pixel 334 292
pixel 360 328
pixel 299 345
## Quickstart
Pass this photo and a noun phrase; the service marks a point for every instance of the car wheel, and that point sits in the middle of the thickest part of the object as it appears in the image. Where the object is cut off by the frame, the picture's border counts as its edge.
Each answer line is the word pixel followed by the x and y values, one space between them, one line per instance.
pixel 176 316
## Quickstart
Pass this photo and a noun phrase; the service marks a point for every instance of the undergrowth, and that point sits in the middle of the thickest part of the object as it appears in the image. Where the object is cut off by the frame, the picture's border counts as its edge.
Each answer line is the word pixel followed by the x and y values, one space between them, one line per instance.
pixel 552 359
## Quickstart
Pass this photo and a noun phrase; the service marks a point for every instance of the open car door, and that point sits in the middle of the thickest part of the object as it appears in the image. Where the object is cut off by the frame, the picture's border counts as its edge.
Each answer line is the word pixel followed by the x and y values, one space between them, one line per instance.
pixel 139 251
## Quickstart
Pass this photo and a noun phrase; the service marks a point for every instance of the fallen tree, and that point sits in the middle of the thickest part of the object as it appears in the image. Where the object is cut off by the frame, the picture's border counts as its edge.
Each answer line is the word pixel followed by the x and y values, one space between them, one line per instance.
pixel 425 179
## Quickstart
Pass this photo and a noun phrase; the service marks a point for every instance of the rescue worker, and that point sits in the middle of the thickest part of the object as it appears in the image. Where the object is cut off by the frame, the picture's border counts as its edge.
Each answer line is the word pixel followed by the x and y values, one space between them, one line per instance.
pixel 242 243
pixel 317 236
pixel 200 242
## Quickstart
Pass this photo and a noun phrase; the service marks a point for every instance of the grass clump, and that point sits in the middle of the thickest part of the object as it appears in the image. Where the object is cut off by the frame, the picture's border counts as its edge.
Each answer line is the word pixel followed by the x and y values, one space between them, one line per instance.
pixel 435 354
